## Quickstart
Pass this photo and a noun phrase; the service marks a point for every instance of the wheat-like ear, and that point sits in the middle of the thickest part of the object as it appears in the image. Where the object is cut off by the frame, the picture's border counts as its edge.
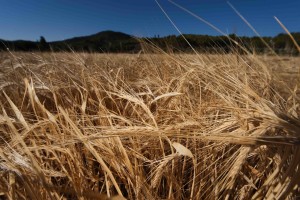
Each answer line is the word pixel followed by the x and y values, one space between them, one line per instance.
pixel 160 169
pixel 167 95
pixel 17 112
pixel 182 150
pixel 35 100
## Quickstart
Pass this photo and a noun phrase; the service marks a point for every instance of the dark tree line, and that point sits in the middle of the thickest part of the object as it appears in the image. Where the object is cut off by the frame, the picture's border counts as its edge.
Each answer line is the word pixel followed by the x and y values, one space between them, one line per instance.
pixel 109 41
pixel 281 44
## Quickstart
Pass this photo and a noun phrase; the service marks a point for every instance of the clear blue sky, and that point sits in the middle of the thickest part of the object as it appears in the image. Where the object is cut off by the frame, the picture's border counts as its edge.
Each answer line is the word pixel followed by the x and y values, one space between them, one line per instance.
pixel 62 19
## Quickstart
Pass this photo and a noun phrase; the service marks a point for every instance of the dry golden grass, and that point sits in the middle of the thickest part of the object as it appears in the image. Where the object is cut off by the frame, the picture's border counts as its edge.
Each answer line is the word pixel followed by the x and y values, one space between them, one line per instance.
pixel 149 126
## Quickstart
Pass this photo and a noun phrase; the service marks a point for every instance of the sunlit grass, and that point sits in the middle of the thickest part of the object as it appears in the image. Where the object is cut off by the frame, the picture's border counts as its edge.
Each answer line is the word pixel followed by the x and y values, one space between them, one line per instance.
pixel 149 126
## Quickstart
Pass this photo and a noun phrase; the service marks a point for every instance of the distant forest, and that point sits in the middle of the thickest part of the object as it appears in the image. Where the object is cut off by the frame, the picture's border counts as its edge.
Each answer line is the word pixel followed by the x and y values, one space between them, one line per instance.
pixel 117 42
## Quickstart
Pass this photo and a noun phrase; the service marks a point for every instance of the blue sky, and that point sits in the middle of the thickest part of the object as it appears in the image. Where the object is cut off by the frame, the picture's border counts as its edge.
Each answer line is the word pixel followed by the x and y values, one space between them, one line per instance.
pixel 62 19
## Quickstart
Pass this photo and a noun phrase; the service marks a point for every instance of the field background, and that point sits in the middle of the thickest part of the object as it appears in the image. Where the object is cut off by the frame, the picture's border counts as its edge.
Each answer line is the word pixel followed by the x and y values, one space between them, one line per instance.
pixel 149 126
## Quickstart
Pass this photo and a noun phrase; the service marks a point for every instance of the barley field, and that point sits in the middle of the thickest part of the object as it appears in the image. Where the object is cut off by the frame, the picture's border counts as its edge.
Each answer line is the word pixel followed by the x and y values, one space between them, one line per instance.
pixel 149 126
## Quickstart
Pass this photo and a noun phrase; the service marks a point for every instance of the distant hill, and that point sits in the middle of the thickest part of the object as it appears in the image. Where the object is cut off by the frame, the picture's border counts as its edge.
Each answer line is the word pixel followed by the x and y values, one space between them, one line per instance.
pixel 111 41
pixel 106 41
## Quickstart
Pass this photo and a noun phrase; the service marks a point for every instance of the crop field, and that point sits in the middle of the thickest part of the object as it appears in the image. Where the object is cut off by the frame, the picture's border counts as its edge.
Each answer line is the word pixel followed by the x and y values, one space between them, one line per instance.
pixel 149 126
